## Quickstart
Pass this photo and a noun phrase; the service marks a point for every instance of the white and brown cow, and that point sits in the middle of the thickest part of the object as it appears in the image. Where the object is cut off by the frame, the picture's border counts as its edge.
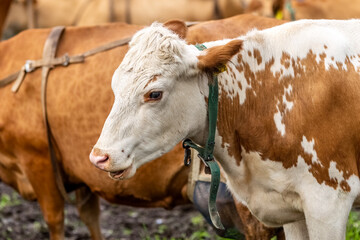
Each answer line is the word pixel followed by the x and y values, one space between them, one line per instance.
pixel 288 130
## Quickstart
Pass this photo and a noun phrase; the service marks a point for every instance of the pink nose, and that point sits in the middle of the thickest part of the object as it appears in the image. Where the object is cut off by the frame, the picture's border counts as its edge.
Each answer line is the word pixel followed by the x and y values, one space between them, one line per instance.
pixel 101 161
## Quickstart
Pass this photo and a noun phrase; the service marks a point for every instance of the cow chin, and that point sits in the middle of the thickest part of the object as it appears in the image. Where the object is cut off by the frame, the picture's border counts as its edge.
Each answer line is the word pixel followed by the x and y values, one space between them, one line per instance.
pixel 123 174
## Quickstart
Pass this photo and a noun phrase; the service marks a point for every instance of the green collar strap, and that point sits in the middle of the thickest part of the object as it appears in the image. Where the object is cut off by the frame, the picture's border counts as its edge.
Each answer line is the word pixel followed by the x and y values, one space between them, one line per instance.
pixel 206 154
pixel 291 10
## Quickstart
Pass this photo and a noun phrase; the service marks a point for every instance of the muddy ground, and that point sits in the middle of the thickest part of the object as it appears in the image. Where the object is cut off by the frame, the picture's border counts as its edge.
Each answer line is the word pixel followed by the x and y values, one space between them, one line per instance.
pixel 22 220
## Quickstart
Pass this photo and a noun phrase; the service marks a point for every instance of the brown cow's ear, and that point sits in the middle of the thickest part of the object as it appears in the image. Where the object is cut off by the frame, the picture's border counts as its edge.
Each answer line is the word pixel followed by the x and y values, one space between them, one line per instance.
pixel 216 57
pixel 177 26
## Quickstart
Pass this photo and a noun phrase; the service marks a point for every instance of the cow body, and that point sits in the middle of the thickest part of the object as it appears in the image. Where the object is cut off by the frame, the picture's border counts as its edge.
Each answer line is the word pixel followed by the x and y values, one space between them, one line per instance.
pixel 287 131
pixel 49 13
pixel 322 9
pixel 4 9
pixel 305 9
pixel 79 99
pixel 296 94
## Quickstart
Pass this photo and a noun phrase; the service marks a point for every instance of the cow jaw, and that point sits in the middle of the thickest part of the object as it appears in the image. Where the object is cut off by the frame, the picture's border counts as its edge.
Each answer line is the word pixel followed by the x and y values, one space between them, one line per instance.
pixel 123 174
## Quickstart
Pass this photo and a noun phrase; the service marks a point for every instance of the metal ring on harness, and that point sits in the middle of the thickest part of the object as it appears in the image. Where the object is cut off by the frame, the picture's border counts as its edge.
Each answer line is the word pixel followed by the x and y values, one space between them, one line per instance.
pixel 29 67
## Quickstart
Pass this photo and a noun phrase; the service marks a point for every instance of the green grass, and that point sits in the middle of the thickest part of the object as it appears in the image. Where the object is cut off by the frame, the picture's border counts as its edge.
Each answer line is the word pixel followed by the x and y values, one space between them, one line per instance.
pixel 198 223
pixel 9 200
pixel 352 230
pixel 353 226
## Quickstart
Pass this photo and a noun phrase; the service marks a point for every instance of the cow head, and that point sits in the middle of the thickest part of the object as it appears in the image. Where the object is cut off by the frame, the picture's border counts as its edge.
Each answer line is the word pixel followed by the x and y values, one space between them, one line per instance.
pixel 160 98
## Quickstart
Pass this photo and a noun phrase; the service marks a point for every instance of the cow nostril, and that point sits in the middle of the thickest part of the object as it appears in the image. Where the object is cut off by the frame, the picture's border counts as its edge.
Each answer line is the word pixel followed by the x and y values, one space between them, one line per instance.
pixel 103 159
pixel 98 159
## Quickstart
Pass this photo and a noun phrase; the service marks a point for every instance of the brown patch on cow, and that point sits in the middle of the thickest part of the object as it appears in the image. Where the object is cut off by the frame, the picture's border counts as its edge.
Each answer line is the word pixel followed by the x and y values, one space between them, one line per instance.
pixel 97 152
pixel 177 26
pixel 257 56
pixel 239 84
pixel 218 56
pixel 325 109
pixel 249 53
pixel 285 60
pixel 249 75
pixel 240 66
pixel 154 79
pixel 345 186
pixel 322 56
pixel 231 73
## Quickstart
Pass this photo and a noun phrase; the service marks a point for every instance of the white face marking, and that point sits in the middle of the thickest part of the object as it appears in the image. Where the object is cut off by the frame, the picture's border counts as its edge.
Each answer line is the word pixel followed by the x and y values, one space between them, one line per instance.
pixel 308 147
pixel 137 131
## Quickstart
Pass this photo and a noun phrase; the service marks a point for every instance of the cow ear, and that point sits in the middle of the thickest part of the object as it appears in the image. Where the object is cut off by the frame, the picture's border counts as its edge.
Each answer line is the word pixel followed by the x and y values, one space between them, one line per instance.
pixel 177 26
pixel 216 57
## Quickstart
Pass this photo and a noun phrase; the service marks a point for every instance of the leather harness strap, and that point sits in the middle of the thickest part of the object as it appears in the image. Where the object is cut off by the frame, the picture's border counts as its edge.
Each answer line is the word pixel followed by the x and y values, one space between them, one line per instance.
pixel 79 12
pixel 30 13
pixel 48 54
pixel 111 11
pixel 65 60
pixel 127 12
pixel 217 12
pixel 31 65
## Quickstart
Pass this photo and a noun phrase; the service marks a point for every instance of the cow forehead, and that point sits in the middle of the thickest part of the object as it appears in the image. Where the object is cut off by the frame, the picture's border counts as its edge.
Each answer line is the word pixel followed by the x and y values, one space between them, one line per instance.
pixel 152 46
pixel 154 51
pixel 131 84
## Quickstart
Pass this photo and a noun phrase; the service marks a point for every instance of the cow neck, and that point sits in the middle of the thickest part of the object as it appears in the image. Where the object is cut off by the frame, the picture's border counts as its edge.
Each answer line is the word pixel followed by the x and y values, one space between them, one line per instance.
pixel 206 153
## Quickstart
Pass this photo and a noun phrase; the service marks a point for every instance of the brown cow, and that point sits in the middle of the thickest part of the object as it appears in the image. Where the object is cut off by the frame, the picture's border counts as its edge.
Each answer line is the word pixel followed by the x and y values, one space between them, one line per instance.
pixel 49 13
pixel 322 9
pixel 79 98
pixel 4 9
pixel 305 9
pixel 287 133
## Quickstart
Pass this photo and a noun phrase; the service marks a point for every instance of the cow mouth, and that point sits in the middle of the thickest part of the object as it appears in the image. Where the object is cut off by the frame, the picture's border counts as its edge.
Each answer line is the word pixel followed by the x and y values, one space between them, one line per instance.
pixel 122 174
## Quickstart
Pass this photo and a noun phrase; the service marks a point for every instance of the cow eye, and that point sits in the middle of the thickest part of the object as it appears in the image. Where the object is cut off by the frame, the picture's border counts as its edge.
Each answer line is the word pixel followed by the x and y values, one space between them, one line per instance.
pixel 153 96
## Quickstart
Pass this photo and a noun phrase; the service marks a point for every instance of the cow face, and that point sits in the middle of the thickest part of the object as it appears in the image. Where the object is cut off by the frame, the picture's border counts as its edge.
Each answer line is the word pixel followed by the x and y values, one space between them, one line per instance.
pixel 160 90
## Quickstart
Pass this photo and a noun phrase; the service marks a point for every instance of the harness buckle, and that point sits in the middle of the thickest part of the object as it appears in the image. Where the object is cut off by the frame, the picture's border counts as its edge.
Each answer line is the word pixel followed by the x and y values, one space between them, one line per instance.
pixel 67 60
pixel 29 66
pixel 205 161
pixel 187 154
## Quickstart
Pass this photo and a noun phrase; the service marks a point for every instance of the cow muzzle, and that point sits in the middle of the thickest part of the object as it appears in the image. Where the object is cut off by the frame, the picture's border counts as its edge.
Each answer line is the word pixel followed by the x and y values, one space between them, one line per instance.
pixel 105 163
